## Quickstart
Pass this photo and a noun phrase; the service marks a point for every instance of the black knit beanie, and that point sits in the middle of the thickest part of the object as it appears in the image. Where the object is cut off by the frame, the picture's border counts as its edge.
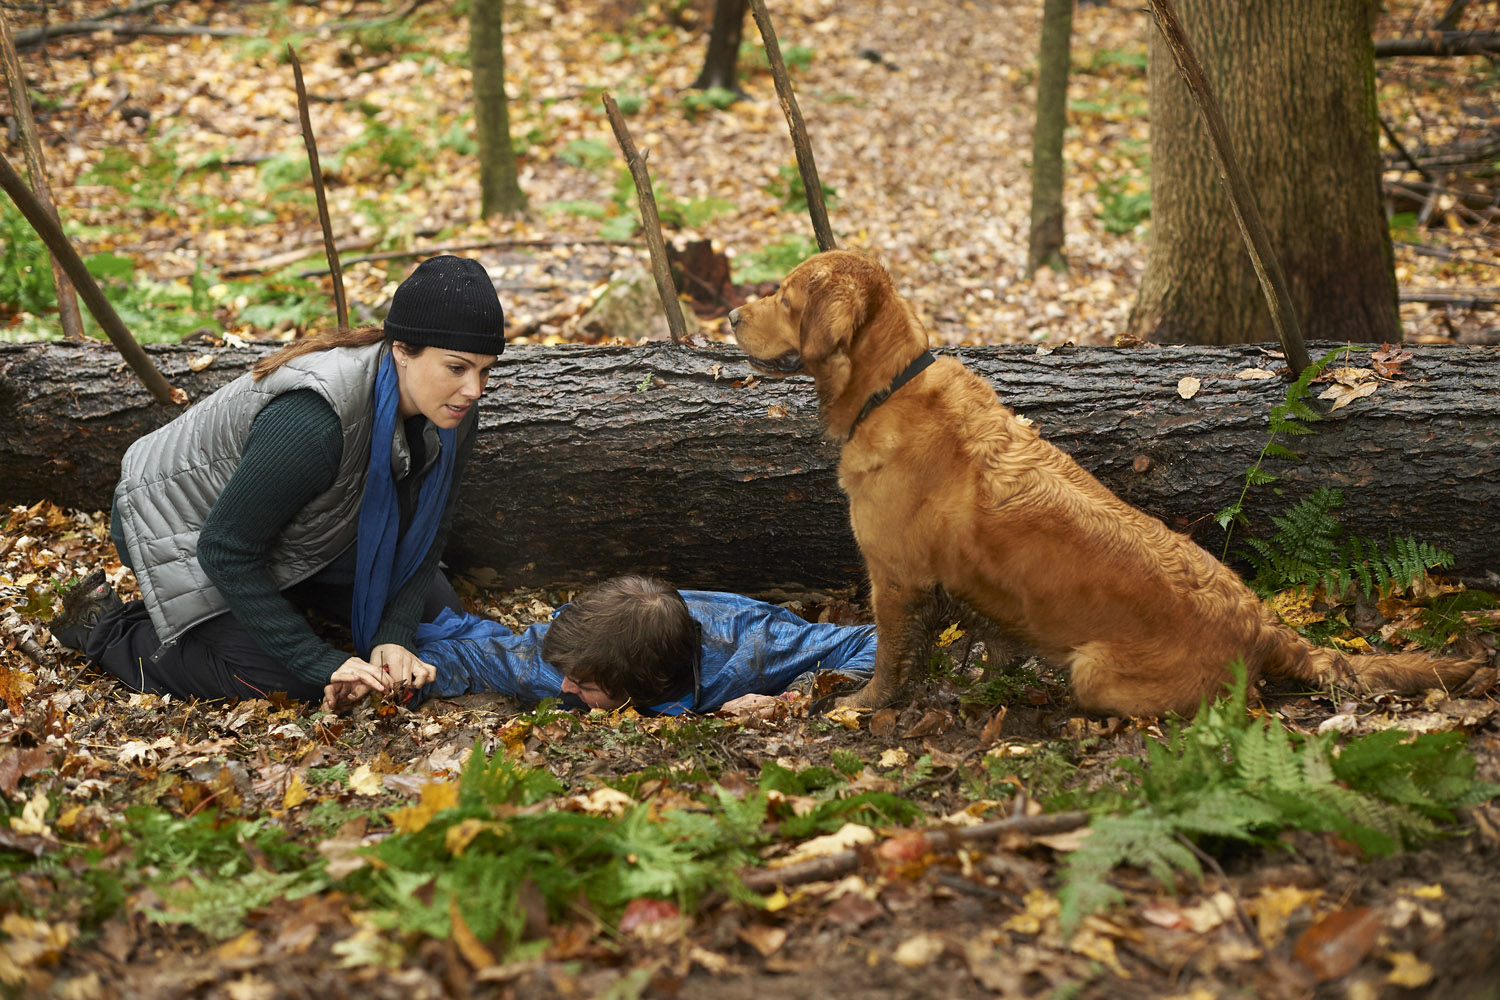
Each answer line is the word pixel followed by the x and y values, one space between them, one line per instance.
pixel 450 303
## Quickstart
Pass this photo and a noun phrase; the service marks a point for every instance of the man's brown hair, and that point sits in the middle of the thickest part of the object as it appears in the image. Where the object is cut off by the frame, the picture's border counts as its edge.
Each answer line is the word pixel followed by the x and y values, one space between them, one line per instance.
pixel 630 635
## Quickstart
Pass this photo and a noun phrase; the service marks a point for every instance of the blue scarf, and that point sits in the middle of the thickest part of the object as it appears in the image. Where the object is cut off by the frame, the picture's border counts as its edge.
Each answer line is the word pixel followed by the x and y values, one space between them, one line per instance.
pixel 386 558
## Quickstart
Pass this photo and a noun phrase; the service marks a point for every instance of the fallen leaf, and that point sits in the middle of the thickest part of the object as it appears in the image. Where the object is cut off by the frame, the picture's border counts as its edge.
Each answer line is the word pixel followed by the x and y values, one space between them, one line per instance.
pixel 1254 374
pixel 33 818
pixel 846 717
pixel 436 797
pixel 364 781
pixel 1338 942
pixel 848 836
pixel 894 757
pixel 1408 971
pixel 1187 386
pixel 764 939
pixel 296 792
pixel 916 952
pixel 1343 394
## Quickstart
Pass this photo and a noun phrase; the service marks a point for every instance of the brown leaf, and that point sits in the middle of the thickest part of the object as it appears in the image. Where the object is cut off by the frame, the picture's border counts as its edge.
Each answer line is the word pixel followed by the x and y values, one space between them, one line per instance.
pixel 1338 942
pixel 933 721
pixel 21 764
pixel 883 723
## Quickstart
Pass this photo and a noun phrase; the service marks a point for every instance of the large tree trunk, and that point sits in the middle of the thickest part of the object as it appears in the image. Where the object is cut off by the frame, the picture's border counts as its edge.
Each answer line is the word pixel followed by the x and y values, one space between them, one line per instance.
pixel 1296 82
pixel 499 188
pixel 593 461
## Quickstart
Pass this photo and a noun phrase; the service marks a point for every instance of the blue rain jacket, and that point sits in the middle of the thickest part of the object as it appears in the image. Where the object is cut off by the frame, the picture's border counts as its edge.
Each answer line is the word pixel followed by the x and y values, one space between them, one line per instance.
pixel 749 647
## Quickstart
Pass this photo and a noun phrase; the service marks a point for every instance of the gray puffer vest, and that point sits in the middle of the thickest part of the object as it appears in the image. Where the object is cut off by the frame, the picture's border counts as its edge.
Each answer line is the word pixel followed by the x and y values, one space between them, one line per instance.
pixel 170 478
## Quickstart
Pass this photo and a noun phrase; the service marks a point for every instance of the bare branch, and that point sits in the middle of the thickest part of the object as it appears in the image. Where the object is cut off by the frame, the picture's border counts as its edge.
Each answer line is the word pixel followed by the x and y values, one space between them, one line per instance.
pixel 650 223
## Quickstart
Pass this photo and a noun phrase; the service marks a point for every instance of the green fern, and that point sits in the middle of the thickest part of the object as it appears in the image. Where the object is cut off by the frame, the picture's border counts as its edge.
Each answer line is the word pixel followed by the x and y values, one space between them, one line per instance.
pixel 1231 777
pixel 1287 417
pixel 1310 549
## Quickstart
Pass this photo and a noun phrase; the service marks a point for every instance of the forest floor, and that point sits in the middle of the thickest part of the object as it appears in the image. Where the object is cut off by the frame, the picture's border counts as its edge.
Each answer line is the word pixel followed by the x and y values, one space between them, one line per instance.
pixel 159 849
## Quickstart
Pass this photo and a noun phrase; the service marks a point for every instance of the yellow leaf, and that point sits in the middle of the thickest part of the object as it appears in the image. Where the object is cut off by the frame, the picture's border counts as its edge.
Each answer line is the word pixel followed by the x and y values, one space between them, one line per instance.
pixel 365 781
pixel 1294 607
pixel 848 836
pixel 1091 944
pixel 469 945
pixel 846 717
pixel 1433 891
pixel 1354 645
pixel 894 757
pixel 916 952
pixel 1274 908
pixel 1408 971
pixel 777 900
pixel 1187 386
pixel 296 792
pixel 1041 910
pixel 950 635
pixel 33 818
pixel 436 796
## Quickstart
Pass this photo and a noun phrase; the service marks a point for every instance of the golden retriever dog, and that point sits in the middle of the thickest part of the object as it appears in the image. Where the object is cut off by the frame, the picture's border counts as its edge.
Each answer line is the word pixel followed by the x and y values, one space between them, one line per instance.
pixel 947 488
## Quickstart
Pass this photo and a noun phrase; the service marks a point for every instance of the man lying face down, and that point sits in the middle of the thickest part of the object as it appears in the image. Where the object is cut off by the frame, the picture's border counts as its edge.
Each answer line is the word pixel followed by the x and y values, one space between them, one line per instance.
pixel 635 640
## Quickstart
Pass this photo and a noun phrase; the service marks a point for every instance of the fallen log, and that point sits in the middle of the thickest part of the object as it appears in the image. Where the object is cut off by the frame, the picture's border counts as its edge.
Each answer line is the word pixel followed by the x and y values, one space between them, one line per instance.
pixel 598 460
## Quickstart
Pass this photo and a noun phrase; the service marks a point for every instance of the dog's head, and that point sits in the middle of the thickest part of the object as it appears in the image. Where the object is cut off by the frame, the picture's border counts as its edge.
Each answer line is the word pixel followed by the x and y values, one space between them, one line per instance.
pixel 812 316
pixel 836 317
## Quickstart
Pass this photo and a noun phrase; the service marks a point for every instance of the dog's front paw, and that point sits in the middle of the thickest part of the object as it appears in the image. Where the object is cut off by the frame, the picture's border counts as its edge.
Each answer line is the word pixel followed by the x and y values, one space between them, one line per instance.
pixel 867 697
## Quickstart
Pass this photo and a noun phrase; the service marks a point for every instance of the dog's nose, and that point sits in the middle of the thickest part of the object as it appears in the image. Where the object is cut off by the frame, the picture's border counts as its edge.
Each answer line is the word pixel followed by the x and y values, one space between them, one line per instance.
pixel 734 318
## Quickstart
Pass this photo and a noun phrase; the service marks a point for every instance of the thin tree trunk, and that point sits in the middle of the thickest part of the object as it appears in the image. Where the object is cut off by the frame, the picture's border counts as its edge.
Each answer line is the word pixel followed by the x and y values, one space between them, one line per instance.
pixel 720 64
pixel 1296 85
pixel 1046 243
pixel 499 187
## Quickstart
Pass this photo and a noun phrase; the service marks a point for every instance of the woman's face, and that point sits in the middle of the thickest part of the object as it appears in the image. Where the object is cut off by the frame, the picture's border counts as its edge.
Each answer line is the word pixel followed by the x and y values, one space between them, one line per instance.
pixel 439 384
pixel 592 694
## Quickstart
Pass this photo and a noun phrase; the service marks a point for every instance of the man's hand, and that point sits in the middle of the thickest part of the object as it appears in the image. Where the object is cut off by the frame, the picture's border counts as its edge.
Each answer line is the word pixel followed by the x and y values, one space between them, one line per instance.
pixel 400 667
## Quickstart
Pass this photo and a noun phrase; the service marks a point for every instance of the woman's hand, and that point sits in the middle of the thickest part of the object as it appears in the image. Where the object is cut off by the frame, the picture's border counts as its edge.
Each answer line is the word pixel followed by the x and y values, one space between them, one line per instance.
pixel 401 667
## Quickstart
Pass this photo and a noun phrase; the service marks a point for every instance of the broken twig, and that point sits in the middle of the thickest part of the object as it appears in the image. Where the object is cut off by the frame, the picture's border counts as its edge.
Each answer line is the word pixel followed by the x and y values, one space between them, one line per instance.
pixel 51 232
pixel 809 169
pixel 650 223
pixel 1257 241
pixel 20 101
pixel 340 303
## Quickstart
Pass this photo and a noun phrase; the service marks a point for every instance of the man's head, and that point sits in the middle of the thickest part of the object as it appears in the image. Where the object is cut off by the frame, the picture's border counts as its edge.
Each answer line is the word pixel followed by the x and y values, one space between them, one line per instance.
pixel 630 638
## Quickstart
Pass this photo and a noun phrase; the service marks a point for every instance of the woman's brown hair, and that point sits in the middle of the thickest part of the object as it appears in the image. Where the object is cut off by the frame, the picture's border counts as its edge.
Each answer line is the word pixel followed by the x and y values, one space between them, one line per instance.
pixel 362 336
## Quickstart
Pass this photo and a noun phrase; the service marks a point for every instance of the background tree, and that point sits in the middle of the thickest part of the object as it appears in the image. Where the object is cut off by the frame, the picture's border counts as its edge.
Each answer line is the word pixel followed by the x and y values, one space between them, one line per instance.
pixel 1296 82
pixel 721 64
pixel 1046 242
pixel 499 189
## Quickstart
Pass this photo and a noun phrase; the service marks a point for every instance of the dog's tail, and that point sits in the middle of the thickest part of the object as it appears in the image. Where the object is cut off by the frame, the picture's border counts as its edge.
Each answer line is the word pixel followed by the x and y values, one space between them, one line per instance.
pixel 1286 654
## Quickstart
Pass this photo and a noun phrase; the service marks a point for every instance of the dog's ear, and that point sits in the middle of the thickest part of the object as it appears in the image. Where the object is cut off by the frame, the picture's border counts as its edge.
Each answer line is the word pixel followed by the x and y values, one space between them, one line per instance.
pixel 834 305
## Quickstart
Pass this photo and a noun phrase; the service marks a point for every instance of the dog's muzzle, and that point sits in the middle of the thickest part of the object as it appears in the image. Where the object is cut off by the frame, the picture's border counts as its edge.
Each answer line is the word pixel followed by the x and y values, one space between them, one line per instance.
pixel 783 364
pixel 789 363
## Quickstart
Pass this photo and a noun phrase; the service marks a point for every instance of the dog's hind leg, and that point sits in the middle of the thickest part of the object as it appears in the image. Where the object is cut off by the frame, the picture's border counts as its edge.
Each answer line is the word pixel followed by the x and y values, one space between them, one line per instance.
pixel 901 634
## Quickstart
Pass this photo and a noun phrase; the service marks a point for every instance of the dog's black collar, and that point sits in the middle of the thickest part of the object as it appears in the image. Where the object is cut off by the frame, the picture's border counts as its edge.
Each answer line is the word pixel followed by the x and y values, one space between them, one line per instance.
pixel 908 373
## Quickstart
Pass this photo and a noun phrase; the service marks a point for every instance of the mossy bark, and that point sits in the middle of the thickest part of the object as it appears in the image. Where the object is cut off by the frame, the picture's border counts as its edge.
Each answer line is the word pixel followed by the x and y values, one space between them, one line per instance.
pixel 1296 85
pixel 1046 243
pixel 499 187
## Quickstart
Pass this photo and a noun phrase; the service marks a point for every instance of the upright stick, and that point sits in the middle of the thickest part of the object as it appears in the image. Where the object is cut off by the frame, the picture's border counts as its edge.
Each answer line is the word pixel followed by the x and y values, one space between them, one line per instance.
pixel 1262 255
pixel 650 222
pixel 67 300
pixel 50 230
pixel 805 164
pixel 339 302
